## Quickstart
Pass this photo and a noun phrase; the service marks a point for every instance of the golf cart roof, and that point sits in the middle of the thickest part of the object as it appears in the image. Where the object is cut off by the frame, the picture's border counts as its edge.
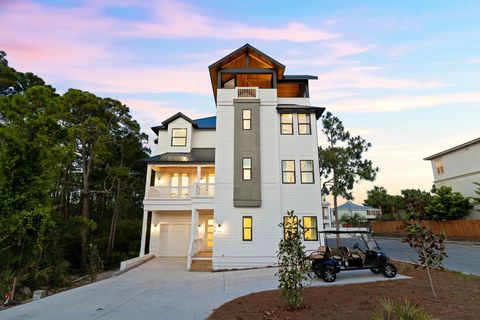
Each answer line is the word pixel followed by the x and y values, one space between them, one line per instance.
pixel 345 232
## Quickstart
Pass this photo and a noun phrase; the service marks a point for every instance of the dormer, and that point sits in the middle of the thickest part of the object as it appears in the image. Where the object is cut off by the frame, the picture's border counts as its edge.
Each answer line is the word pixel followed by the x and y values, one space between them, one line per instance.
pixel 248 67
pixel 177 134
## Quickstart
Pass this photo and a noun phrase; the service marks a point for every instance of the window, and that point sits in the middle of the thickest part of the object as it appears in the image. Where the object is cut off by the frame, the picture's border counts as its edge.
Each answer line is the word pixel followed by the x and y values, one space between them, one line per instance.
pixel 290 226
pixel 304 126
pixel 247 229
pixel 179 137
pixel 288 171
pixel 439 166
pixel 310 229
pixel 247 169
pixel 247 119
pixel 286 123
pixel 306 171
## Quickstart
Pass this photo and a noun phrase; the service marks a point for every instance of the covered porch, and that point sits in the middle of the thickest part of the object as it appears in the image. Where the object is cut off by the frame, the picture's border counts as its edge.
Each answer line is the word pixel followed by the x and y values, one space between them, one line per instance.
pixel 180 233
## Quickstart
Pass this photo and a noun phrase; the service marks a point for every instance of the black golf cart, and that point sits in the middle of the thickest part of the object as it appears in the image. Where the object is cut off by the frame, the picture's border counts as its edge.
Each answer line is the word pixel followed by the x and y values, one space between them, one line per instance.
pixel 365 253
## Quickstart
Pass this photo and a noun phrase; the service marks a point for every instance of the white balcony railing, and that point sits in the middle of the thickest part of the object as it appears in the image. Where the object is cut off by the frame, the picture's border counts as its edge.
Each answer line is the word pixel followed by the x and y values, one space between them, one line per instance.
pixel 246 92
pixel 199 190
pixel 205 190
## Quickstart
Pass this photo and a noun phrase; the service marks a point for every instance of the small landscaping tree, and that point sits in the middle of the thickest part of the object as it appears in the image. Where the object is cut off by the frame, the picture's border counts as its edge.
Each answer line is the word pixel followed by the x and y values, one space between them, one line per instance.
pixel 448 205
pixel 293 265
pixel 342 162
pixel 429 247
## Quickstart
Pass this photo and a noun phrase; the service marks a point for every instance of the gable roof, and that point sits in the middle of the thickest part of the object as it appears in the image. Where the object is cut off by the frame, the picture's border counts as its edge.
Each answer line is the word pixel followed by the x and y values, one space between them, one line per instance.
pixel 349 205
pixel 202 123
pixel 461 146
pixel 249 50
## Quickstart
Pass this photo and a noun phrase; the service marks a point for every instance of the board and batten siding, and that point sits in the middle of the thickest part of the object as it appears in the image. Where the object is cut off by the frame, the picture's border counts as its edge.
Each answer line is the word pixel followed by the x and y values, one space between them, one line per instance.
pixel 229 250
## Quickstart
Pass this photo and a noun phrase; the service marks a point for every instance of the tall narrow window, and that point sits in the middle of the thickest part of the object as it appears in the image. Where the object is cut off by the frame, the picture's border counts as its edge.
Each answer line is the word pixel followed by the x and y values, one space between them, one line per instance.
pixel 290 226
pixel 306 171
pixel 247 169
pixel 310 229
pixel 288 171
pixel 286 123
pixel 247 229
pixel 247 119
pixel 179 137
pixel 304 126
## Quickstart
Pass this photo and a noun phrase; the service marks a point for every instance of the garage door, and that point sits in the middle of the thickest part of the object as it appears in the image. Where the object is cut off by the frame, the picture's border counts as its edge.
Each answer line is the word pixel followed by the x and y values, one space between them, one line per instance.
pixel 174 239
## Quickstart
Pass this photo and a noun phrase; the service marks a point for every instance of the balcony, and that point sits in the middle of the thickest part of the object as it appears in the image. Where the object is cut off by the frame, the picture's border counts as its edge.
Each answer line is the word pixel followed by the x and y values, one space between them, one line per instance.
pixel 197 190
pixel 246 92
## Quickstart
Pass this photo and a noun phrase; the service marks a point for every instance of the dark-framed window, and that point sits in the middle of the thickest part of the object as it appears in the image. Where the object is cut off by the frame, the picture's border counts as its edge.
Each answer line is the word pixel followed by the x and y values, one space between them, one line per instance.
pixel 304 124
pixel 247 169
pixel 247 228
pixel 288 171
pixel 179 137
pixel 290 226
pixel 247 119
pixel 310 228
pixel 286 123
pixel 306 171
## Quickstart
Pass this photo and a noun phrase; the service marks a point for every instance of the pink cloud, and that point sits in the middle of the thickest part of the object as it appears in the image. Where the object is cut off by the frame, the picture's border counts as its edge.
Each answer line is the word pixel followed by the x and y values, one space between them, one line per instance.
pixel 124 79
pixel 369 77
pixel 403 102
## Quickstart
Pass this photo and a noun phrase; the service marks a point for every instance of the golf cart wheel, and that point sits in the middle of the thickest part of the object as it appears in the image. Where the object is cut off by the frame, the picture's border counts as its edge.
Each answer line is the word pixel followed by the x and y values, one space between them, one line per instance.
pixel 329 274
pixel 389 270
pixel 376 270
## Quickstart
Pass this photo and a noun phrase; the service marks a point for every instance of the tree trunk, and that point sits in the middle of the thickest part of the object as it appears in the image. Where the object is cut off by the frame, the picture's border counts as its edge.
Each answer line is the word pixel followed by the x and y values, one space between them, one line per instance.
pixel 429 275
pixel 85 193
pixel 113 225
pixel 335 205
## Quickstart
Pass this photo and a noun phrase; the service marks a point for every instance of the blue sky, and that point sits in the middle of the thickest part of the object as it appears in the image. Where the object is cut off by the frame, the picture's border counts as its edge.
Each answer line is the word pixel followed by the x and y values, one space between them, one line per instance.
pixel 404 75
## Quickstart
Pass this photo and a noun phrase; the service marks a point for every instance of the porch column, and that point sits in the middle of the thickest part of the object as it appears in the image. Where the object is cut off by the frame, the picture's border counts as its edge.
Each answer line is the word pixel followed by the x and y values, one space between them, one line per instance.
pixel 193 233
pixel 144 233
pixel 199 173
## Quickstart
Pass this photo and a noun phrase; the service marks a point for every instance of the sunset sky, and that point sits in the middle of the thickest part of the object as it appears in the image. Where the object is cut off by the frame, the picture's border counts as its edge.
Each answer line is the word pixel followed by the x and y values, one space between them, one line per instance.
pixel 404 75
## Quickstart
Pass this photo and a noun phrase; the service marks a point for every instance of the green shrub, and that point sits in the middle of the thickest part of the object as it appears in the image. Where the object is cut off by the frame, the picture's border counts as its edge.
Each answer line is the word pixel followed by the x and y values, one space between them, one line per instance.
pixel 398 310
pixel 448 205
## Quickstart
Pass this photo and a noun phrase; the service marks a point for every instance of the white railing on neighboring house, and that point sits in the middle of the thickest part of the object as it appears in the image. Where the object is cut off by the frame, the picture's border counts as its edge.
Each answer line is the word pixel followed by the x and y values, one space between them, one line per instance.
pixel 246 92
pixel 198 190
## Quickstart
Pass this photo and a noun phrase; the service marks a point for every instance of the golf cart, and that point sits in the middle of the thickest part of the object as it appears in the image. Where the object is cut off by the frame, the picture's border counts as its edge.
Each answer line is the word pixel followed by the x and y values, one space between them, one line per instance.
pixel 365 253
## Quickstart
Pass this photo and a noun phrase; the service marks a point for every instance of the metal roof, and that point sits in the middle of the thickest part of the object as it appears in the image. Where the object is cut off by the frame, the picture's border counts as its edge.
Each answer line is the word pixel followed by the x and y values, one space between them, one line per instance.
pixel 197 156
pixel 349 205
pixel 202 123
pixel 463 145
pixel 283 108
pixel 299 77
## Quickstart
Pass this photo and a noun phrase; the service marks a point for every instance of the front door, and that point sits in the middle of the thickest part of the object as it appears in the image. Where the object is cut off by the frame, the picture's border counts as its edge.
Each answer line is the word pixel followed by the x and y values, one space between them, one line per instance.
pixel 210 229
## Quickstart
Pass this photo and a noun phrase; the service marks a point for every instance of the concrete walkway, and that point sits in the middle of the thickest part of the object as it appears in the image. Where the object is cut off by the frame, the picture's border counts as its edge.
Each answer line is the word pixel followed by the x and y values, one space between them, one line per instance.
pixel 161 289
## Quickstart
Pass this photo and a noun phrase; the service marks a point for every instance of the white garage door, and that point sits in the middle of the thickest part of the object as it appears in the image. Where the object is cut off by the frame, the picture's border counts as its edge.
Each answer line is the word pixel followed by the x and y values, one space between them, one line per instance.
pixel 174 239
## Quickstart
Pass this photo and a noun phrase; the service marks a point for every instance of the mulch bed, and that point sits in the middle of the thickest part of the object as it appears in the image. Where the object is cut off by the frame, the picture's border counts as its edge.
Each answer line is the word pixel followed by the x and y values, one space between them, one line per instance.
pixel 458 298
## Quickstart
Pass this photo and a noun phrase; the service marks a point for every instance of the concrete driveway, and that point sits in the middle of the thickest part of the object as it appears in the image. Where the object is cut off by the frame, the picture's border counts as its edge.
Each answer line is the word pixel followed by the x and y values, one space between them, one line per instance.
pixel 161 289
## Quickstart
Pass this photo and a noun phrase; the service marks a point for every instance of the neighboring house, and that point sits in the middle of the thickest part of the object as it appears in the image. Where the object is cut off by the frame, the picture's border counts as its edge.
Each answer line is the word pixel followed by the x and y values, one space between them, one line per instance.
pixel 328 218
pixel 458 167
pixel 218 187
pixel 349 208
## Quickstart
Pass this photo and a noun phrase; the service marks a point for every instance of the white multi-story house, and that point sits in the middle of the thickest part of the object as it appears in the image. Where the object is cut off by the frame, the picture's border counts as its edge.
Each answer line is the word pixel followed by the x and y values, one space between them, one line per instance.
pixel 458 167
pixel 218 187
